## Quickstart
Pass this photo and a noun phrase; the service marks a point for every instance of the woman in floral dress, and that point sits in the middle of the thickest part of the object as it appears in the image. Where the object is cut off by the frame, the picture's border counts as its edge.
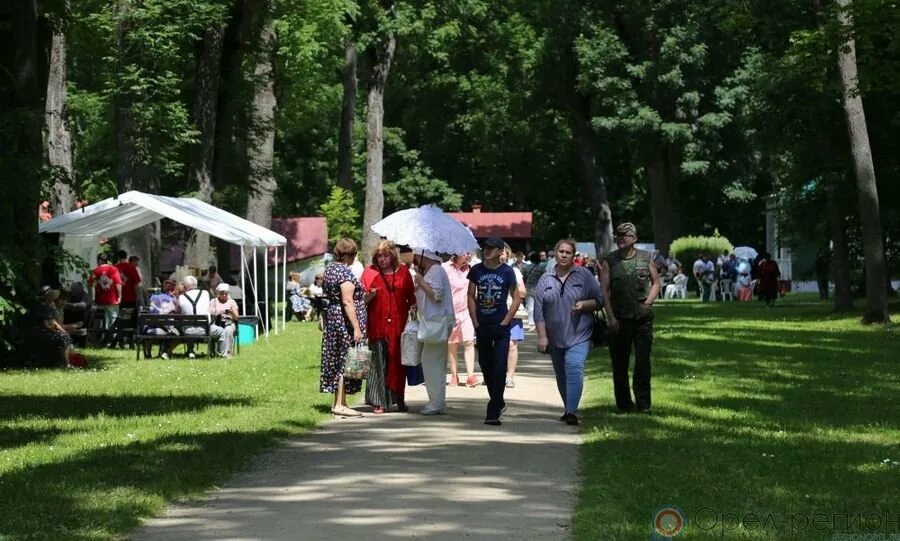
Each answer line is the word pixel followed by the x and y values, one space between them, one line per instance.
pixel 344 325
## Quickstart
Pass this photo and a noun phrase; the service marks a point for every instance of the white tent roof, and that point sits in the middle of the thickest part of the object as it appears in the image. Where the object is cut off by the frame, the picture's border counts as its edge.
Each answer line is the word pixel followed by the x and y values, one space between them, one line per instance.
pixel 130 210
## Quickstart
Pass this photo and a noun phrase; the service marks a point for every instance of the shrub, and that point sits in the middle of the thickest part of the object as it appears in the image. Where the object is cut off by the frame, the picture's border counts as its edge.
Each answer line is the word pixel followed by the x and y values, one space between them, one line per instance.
pixel 687 249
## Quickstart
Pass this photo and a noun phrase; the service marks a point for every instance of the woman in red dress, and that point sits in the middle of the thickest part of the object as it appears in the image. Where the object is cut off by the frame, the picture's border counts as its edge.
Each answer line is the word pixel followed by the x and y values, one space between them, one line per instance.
pixel 391 293
pixel 768 279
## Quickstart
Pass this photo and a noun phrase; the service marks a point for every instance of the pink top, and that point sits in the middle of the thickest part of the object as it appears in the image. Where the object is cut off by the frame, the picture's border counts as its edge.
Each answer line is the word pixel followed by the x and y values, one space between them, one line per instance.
pixel 459 285
pixel 217 308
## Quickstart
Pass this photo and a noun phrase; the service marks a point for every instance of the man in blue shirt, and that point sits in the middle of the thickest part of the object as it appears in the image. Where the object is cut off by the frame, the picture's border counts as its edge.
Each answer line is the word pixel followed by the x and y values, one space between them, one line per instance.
pixel 489 284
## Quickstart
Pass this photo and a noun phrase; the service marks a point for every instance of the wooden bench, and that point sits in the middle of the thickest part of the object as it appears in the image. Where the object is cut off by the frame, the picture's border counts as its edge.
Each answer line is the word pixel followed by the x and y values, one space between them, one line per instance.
pixel 180 322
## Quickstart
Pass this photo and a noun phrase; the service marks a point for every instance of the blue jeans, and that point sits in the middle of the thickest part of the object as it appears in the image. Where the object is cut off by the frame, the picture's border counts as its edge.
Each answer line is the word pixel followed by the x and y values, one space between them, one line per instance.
pixel 568 363
pixel 493 348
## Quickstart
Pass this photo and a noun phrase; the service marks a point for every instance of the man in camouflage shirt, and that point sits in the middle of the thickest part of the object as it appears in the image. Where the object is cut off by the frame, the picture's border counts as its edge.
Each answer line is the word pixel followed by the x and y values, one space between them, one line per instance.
pixel 631 284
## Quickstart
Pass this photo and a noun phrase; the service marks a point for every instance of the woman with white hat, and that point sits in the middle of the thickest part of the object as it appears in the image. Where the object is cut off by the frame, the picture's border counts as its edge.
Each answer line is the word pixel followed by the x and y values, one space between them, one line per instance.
pixel 224 313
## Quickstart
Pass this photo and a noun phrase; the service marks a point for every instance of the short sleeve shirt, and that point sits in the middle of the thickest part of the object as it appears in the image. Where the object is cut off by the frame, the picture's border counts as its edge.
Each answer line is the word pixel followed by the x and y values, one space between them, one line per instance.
pixel 130 280
pixel 105 279
pixel 491 291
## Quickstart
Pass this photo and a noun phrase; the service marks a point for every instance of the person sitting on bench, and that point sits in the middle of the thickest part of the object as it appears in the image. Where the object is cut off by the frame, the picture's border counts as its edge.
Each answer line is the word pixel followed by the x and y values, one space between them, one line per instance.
pixel 196 302
pixel 163 303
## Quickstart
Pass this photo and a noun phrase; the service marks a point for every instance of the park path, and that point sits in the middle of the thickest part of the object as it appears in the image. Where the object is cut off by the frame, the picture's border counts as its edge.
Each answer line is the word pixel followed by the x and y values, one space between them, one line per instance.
pixel 443 477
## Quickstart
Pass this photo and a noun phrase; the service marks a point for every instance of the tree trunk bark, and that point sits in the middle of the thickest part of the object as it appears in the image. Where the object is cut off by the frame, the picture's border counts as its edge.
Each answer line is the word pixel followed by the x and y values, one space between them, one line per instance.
pixel 132 170
pixel 867 189
pixel 592 177
pixel 382 54
pixel 198 253
pixel 57 135
pixel 261 140
pixel 843 298
pixel 348 117
pixel 662 199
pixel 20 245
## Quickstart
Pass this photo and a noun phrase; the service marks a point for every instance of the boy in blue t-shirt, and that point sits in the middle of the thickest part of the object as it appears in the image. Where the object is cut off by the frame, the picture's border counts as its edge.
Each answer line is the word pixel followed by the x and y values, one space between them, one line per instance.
pixel 489 284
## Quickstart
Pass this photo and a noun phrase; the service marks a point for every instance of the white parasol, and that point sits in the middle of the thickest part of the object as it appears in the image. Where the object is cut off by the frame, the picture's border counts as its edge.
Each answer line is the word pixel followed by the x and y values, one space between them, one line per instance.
pixel 745 252
pixel 427 228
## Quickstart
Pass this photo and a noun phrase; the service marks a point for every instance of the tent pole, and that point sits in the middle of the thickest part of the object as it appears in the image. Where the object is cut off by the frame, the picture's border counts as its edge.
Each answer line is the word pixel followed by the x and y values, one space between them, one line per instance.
pixel 266 290
pixel 284 284
pixel 275 278
pixel 243 289
pixel 256 286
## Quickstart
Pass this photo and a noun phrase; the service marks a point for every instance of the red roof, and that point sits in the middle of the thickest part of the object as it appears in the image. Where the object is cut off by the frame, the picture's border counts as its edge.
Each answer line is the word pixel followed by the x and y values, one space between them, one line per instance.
pixel 507 225
pixel 306 236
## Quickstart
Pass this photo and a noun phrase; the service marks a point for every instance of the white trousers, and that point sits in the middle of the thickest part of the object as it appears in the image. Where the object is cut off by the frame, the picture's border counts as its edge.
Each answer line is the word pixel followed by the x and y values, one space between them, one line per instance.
pixel 434 367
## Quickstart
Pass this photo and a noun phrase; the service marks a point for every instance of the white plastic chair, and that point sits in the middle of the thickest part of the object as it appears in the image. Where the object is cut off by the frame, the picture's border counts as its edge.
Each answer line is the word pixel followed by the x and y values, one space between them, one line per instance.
pixel 726 289
pixel 677 288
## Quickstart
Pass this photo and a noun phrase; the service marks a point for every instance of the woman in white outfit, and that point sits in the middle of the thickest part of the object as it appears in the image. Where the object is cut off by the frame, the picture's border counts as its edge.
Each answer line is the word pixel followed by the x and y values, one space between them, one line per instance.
pixel 434 300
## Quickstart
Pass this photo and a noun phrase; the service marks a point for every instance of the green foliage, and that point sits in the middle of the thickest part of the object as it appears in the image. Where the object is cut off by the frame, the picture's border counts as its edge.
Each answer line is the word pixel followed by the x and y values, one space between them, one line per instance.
pixel 341 215
pixel 687 249
pixel 415 185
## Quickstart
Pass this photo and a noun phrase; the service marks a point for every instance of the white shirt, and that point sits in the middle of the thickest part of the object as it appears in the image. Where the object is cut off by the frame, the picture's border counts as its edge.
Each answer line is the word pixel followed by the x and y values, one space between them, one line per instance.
pixel 436 277
pixel 201 296
pixel 520 283
pixel 357 269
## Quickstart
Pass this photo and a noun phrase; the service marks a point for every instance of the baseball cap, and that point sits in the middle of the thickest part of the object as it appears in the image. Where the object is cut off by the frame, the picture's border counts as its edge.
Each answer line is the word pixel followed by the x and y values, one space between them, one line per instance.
pixel 626 228
pixel 493 242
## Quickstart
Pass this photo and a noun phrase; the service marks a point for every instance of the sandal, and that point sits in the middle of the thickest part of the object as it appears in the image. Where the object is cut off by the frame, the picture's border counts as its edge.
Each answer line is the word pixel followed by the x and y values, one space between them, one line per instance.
pixel 378 410
pixel 344 411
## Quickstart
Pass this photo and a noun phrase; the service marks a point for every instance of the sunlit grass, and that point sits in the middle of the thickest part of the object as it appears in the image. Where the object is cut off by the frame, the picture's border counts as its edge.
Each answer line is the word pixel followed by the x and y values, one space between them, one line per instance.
pixel 780 412
pixel 86 454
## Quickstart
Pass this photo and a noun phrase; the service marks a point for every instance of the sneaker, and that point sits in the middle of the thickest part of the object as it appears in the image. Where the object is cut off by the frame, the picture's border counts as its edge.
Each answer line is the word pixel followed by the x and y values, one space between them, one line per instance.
pixel 429 411
pixel 572 419
pixel 510 384
pixel 502 412
pixel 493 422
pixel 564 416
pixel 191 356
pixel 164 356
pixel 471 381
pixel 643 409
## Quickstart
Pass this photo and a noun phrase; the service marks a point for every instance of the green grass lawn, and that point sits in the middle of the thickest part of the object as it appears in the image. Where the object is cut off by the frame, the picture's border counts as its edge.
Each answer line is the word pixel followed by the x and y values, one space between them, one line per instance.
pixel 86 454
pixel 781 413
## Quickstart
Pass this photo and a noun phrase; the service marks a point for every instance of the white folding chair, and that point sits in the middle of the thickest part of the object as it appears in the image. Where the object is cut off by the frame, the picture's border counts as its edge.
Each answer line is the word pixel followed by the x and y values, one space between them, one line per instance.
pixel 726 290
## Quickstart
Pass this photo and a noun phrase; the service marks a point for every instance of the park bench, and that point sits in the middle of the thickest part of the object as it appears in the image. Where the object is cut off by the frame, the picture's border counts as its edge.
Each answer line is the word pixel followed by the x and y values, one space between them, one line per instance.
pixel 178 321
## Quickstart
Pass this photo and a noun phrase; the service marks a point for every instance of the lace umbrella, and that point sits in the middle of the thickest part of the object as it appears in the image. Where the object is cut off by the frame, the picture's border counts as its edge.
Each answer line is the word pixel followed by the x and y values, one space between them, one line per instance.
pixel 427 228
pixel 745 252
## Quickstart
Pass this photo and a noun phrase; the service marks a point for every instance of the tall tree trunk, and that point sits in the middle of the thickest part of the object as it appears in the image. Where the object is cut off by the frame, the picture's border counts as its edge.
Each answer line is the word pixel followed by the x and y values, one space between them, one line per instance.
pixel 261 140
pixel 382 54
pixel 592 177
pixel 843 299
pixel 198 253
pixel 58 138
pixel 133 171
pixel 867 189
pixel 348 117
pixel 20 138
pixel 663 198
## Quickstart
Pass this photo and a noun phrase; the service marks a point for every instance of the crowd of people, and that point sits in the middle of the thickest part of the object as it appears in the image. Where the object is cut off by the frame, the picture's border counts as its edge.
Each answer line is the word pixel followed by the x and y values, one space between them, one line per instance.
pixel 459 300
pixel 63 316
pixel 732 278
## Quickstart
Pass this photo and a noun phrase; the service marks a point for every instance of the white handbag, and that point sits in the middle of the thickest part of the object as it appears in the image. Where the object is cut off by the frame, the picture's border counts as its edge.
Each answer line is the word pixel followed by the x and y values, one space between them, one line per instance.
pixel 410 348
pixel 435 330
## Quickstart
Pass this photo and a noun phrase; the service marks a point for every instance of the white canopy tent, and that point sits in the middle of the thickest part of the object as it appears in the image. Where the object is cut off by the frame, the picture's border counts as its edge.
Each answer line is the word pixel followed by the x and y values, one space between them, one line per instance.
pixel 81 230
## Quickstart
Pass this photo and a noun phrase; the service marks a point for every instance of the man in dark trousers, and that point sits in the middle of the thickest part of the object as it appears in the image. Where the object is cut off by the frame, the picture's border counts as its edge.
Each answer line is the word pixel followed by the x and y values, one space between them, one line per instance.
pixel 631 285
pixel 490 283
